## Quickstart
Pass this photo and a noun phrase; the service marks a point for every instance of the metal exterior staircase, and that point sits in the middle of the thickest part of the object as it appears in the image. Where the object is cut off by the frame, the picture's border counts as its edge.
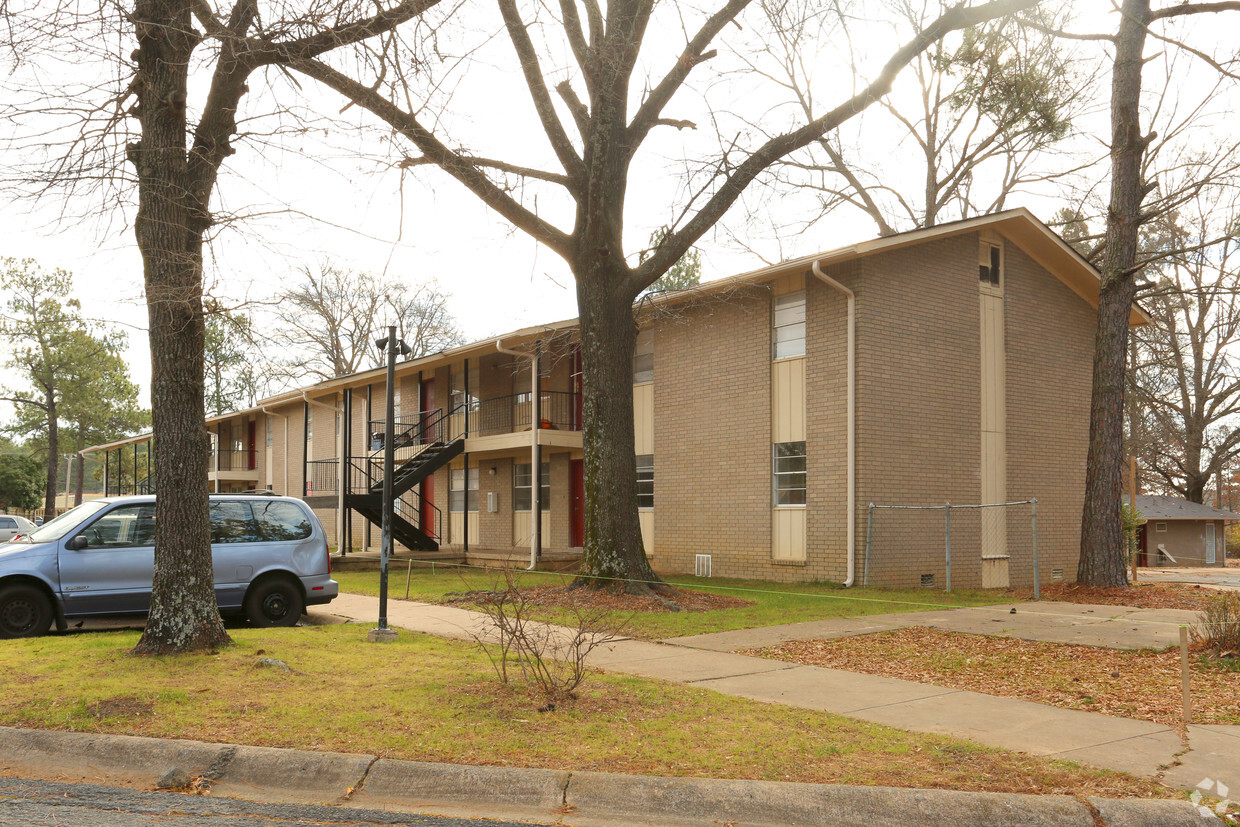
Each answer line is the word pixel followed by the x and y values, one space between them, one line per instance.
pixel 365 487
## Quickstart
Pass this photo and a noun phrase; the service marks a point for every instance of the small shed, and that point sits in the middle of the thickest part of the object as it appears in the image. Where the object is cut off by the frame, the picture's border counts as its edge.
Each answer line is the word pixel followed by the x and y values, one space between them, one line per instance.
pixel 1181 533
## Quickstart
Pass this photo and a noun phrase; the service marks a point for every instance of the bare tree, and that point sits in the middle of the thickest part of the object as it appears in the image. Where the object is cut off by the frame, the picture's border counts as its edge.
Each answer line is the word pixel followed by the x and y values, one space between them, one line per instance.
pixel 989 116
pixel 1102 560
pixel 146 112
pixel 1186 382
pixel 331 318
pixel 590 55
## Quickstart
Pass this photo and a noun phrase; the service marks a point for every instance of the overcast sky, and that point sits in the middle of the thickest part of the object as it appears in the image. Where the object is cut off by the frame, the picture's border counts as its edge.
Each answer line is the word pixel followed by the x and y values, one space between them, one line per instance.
pixel 367 215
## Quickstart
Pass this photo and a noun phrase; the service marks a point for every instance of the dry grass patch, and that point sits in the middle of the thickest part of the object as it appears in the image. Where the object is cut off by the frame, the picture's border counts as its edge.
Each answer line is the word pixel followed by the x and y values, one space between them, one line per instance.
pixel 1139 596
pixel 1144 684
pixel 425 699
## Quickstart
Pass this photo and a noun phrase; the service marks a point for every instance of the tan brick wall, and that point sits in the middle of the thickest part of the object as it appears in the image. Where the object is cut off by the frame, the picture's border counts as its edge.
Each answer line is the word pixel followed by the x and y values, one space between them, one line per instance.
pixel 1050 340
pixel 918 408
pixel 494 529
pixel 712 426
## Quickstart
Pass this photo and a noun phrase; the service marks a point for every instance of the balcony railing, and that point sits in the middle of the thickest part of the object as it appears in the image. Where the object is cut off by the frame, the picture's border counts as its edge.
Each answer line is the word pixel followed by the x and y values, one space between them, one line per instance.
pixel 558 410
pixel 322 477
pixel 231 460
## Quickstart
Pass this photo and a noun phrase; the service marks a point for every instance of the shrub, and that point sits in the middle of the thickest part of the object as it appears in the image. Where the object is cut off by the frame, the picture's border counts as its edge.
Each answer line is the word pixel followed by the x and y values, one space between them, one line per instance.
pixel 1219 624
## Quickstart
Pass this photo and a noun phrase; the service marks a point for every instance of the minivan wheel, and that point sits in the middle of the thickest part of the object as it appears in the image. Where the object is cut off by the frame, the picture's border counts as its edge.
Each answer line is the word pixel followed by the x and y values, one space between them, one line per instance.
pixel 275 602
pixel 24 612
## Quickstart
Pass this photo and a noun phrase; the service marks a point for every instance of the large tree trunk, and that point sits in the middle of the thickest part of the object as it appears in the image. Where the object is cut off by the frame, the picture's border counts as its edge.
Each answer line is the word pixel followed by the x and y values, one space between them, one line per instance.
pixel 1103 554
pixel 613 552
pixel 184 615
pixel 79 473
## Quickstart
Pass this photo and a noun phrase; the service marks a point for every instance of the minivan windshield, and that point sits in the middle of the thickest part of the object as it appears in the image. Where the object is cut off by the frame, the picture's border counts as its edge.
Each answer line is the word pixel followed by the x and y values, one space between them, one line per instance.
pixel 66 522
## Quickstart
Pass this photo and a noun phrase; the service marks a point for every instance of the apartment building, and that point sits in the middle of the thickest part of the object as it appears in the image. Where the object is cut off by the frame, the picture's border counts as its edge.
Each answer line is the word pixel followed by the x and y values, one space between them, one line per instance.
pixel 771 408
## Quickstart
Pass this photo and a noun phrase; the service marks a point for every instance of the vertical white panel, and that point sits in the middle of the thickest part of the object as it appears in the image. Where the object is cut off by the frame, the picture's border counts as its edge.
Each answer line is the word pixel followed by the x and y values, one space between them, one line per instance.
pixel 1211 548
pixel 788 534
pixel 993 386
pixel 456 527
pixel 643 418
pixel 788 400
pixel 646 518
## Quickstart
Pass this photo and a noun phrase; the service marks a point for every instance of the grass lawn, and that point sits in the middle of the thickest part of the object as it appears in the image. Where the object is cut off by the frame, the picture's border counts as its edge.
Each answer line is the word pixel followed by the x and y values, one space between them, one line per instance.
pixel 423 698
pixel 772 603
pixel 1131 684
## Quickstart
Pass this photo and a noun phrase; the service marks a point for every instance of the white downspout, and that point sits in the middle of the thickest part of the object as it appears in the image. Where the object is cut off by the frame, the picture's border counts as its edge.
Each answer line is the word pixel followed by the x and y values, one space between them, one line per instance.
pixel 535 465
pixel 269 412
pixel 852 419
pixel 340 466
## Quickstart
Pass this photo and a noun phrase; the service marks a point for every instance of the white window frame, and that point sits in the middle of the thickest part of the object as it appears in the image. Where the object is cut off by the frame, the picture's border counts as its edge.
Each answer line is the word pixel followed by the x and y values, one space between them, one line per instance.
pixel 787 321
pixel 521 482
pixel 645 481
pixel 786 495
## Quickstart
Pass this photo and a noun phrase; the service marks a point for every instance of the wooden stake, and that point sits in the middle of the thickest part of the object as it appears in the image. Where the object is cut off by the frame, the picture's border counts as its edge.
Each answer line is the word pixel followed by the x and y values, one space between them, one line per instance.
pixel 408 577
pixel 1188 699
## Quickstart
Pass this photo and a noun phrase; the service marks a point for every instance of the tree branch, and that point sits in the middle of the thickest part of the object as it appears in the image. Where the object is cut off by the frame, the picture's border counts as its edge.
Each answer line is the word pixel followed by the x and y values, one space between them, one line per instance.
pixel 492 163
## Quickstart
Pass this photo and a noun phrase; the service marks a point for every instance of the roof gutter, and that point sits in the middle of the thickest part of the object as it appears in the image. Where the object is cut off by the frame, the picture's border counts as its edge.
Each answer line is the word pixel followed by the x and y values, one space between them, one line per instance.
pixel 816 269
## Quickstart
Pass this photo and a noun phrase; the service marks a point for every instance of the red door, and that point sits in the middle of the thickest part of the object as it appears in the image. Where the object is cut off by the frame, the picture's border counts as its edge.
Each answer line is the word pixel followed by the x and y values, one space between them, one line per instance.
pixel 577 503
pixel 252 445
pixel 427 514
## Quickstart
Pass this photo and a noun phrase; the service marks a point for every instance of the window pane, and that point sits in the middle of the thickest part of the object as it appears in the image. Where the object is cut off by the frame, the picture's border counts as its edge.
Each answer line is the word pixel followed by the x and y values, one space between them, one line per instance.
pixel 125 527
pixel 282 521
pixel 233 522
pixel 788 473
pixel 645 481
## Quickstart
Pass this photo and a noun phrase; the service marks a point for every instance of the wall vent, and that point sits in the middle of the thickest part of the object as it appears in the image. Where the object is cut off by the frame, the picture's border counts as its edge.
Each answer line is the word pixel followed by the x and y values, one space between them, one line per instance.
pixel 701 565
pixel 927 580
pixel 1057 575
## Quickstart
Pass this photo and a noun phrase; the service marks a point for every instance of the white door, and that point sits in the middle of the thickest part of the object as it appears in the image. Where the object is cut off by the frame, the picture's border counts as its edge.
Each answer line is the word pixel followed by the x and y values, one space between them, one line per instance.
pixel 1211 558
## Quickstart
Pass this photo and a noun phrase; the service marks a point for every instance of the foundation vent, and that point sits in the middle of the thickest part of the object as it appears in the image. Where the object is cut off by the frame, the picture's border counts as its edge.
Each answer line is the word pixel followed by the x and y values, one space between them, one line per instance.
pixel 927 580
pixel 701 565
pixel 1057 575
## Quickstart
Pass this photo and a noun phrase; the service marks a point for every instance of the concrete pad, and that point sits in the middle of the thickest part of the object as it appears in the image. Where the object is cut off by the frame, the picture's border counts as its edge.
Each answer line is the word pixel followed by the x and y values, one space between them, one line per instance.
pixel 704 801
pixel 1114 635
pixel 418 784
pixel 289 775
pixel 1010 723
pixel 1212 755
pixel 101 759
pixel 1142 755
pixel 1220 729
pixel 624 651
pixel 831 690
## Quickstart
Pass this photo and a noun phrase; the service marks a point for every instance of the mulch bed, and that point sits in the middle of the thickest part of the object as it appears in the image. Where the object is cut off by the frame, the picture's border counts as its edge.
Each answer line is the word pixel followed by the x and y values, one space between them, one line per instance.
pixel 1141 685
pixel 1140 596
pixel 609 599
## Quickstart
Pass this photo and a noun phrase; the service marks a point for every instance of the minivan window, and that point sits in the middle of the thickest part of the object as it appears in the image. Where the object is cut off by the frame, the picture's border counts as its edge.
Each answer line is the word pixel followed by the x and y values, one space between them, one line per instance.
pixel 127 526
pixel 282 521
pixel 62 525
pixel 232 522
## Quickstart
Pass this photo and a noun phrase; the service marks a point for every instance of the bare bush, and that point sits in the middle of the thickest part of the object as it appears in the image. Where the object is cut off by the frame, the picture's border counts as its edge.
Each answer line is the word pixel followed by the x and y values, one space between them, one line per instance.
pixel 1219 624
pixel 551 656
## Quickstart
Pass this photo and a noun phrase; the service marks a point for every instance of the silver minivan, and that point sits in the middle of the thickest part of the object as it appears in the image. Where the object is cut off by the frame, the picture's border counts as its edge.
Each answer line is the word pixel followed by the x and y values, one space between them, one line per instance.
pixel 98 559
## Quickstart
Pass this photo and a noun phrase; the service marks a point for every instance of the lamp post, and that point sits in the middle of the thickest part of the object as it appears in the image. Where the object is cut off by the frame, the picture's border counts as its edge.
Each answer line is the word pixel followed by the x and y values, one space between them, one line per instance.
pixel 392 345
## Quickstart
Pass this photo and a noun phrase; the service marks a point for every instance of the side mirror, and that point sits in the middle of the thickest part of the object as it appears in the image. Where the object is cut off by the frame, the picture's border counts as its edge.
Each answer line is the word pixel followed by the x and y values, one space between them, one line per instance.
pixel 76 543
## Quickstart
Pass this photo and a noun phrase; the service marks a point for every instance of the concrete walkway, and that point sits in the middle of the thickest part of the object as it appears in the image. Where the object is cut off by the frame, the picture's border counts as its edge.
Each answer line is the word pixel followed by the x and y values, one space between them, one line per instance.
pixel 1112 627
pixel 1214 577
pixel 1137 747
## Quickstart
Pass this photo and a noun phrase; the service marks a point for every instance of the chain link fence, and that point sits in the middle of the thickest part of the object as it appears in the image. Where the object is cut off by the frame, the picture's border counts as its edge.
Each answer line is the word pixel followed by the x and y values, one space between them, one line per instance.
pixel 986 545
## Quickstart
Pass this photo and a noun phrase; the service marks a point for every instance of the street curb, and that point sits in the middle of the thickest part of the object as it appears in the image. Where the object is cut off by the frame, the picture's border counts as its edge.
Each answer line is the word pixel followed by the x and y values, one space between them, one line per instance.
pixel 577 798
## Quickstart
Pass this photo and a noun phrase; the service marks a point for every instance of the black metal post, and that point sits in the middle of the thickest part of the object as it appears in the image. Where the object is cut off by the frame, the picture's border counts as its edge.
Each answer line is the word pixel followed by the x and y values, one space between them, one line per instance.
pixel 107 473
pixel 393 346
pixel 468 403
pixel 346 469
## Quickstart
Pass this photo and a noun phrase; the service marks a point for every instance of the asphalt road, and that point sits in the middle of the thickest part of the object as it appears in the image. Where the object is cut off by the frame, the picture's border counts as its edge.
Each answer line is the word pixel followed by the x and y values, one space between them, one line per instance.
pixel 44 803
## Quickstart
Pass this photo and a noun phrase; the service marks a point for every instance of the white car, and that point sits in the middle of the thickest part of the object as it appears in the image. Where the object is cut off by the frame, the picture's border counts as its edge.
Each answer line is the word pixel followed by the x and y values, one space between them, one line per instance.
pixel 11 526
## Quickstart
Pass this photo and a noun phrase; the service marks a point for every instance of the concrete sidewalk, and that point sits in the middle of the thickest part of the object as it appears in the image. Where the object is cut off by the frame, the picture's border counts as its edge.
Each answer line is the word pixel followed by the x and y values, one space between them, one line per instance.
pixel 1137 747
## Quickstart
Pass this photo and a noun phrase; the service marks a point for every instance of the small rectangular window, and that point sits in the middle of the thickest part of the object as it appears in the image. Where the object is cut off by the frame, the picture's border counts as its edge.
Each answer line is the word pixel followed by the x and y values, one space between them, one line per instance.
pixel 457 492
pixel 788 472
pixel 1160 526
pixel 521 492
pixel 990 264
pixel 645 480
pixel 269 430
pixel 643 357
pixel 309 424
pixel 788 326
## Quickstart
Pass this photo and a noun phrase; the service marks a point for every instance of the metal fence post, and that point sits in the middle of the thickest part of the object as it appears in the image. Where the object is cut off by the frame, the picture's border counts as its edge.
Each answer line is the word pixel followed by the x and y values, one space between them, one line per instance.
pixel 869 527
pixel 947 517
pixel 1037 579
